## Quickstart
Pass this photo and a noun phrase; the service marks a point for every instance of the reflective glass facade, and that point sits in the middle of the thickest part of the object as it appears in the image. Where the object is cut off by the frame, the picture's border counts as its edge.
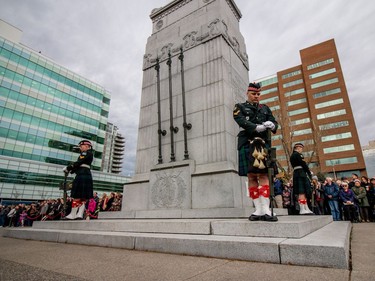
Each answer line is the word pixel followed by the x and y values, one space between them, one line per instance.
pixel 45 111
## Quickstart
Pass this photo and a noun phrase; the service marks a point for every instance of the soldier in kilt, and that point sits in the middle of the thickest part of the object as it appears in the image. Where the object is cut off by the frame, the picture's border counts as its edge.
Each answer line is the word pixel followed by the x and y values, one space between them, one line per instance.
pixel 82 189
pixel 301 179
pixel 255 118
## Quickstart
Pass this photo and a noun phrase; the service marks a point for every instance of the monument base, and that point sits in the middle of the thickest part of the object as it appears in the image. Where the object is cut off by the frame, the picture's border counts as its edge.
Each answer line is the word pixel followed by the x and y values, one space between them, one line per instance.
pixel 184 190
pixel 297 240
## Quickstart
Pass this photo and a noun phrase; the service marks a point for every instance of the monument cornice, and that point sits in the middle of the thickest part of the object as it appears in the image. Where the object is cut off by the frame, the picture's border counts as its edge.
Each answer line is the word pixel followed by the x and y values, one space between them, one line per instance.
pixel 213 29
pixel 159 13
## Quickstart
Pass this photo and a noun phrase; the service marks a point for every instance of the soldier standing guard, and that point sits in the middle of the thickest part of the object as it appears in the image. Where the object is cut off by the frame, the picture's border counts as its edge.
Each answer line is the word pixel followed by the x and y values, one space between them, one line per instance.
pixel 82 189
pixel 255 119
pixel 301 179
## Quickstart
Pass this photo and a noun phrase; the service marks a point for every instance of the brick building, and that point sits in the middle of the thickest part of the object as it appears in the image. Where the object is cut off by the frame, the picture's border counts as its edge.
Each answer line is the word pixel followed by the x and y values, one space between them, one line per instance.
pixel 311 103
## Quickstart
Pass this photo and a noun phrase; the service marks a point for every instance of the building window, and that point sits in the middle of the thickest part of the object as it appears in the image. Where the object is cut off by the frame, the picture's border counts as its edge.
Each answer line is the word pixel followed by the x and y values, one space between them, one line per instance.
pixel 270 99
pixel 298 111
pixel 292 83
pixel 334 125
pixel 324 83
pixel 302 132
pixel 331 114
pixel 327 93
pixel 322 73
pixel 338 148
pixel 321 63
pixel 277 137
pixel 329 103
pixel 265 92
pixel 276 107
pixel 269 81
pixel 337 137
pixel 294 102
pixel 340 161
pixel 291 74
pixel 300 121
pixel 295 92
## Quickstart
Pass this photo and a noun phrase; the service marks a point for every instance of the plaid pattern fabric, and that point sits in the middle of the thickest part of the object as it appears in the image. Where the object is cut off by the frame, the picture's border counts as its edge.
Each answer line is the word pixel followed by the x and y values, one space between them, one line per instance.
pixel 243 160
pixel 246 160
pixel 301 184
pixel 82 185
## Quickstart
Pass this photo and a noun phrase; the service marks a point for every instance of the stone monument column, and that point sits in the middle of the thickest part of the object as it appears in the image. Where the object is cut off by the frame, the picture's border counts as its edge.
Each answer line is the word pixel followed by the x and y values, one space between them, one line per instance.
pixel 195 68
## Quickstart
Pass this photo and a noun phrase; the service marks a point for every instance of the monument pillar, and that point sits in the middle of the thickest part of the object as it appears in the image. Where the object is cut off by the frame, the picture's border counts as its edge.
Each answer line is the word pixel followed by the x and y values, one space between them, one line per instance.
pixel 201 92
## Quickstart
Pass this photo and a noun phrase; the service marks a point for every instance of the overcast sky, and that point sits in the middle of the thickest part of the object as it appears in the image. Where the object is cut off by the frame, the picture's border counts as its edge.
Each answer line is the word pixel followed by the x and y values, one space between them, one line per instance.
pixel 104 41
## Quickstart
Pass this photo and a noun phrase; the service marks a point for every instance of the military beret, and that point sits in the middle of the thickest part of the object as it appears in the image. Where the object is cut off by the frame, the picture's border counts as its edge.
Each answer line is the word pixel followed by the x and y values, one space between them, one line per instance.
pixel 254 87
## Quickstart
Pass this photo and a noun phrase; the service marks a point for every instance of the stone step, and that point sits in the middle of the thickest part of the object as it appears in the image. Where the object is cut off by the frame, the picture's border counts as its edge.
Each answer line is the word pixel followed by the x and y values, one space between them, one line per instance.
pixel 325 247
pixel 286 227
pixel 186 213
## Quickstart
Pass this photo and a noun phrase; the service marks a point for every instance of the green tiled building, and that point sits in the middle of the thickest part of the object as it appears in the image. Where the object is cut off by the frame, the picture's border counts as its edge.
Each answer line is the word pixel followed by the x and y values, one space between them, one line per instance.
pixel 45 111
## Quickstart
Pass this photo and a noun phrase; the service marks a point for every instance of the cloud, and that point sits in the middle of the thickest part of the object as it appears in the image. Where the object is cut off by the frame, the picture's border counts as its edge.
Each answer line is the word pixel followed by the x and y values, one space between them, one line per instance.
pixel 105 41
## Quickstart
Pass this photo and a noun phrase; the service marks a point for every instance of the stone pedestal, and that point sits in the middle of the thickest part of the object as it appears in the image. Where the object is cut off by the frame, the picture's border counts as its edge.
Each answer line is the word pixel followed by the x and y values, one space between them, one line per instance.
pixel 215 78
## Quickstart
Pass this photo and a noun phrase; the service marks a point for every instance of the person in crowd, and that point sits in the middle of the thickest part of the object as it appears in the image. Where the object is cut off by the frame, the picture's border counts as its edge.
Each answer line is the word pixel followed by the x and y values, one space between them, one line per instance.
pixel 110 201
pixel 116 205
pixel 103 202
pixel 2 215
pixel 301 179
pixel 318 195
pixel 255 119
pixel 361 195
pixel 287 197
pixel 371 199
pixel 96 197
pixel 82 189
pixel 32 214
pixel 331 191
pixel 365 181
pixel 278 191
pixel 354 177
pixel 7 209
pixel 23 218
pixel 347 198
pixel 43 208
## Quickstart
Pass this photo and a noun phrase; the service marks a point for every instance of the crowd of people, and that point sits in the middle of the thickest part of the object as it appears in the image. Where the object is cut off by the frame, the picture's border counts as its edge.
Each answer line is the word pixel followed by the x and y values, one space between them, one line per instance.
pixel 20 215
pixel 351 199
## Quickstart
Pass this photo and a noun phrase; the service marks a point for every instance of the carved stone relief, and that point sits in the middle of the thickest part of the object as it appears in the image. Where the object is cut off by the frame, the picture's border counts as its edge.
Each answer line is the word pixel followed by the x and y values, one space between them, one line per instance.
pixel 169 190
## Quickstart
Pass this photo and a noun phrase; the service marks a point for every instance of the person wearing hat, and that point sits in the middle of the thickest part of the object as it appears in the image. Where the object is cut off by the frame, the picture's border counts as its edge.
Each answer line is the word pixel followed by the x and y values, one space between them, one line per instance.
pixel 82 189
pixel 255 119
pixel 363 203
pixel 301 179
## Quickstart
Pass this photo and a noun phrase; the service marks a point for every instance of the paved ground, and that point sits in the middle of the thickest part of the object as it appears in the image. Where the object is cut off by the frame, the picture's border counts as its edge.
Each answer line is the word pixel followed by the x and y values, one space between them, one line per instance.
pixel 34 260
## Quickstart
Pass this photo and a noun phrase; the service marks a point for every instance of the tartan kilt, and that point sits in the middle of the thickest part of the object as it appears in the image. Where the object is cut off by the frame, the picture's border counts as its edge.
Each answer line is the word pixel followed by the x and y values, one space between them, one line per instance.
pixel 246 160
pixel 82 185
pixel 301 183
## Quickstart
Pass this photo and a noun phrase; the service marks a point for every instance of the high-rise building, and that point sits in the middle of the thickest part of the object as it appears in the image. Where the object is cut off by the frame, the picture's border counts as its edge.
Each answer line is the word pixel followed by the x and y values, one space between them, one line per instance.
pixel 311 103
pixel 113 152
pixel 369 156
pixel 45 111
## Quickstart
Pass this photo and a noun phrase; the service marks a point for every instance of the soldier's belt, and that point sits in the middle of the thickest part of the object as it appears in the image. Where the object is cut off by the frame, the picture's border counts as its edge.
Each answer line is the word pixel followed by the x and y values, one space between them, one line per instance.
pixel 85 166
pixel 297 168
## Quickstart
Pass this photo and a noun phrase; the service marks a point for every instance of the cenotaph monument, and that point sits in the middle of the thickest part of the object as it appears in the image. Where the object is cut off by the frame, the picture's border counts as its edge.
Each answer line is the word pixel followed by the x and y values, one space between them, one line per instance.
pixel 195 69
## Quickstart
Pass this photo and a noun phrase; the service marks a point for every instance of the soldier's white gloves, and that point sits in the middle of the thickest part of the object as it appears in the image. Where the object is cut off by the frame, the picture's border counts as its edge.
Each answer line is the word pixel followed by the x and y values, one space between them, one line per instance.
pixel 260 128
pixel 65 170
pixel 269 125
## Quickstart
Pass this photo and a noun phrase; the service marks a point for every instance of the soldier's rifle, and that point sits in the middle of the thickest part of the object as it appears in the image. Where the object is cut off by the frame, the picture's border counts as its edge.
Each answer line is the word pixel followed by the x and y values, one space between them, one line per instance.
pixel 271 160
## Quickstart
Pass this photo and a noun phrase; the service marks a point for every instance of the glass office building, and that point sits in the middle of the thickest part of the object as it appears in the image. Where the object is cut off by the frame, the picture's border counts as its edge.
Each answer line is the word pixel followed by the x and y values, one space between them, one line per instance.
pixel 45 111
